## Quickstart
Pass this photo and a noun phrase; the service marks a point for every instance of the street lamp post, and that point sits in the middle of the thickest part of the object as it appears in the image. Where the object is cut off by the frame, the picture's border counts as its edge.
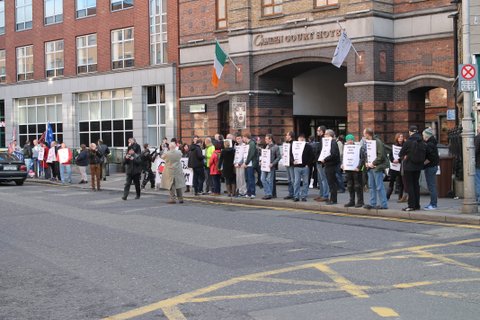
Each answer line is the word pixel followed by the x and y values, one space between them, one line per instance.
pixel 469 201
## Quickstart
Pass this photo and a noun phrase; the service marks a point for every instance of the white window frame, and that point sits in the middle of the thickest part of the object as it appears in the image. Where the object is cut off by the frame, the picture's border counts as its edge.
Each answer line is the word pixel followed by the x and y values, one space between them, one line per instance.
pixel 85 8
pixel 3 66
pixel 156 128
pixel 221 15
pixel 89 51
pixel 117 5
pixel 23 8
pixel 23 55
pixel 57 56
pixel 121 58
pixel 325 3
pixel 158 32
pixel 2 16
pixel 57 16
pixel 276 7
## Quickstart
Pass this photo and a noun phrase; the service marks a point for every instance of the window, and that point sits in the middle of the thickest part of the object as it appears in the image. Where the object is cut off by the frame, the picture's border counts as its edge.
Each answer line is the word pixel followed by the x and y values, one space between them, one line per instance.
pixel 158 31
pixel 53 11
pixel 121 4
pixel 87 53
pixel 54 58
pixel 323 3
pixel 3 67
pixel 360 62
pixel 33 115
pixel 122 48
pixel 23 14
pixel 2 16
pixel 271 7
pixel 86 8
pixel 221 14
pixel 24 63
pixel 156 118
pixel 105 115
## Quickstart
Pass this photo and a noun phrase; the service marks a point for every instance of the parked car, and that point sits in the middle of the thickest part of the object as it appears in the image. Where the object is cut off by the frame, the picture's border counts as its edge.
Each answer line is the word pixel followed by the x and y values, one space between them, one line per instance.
pixel 12 168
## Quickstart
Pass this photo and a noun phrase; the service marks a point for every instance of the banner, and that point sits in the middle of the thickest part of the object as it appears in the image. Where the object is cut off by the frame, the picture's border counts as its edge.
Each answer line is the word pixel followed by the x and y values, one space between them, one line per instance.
pixel 239 156
pixel 265 160
pixel 297 151
pixel 286 154
pixel 395 152
pixel 371 146
pixel 326 148
pixel 351 157
pixel 41 154
pixel 239 115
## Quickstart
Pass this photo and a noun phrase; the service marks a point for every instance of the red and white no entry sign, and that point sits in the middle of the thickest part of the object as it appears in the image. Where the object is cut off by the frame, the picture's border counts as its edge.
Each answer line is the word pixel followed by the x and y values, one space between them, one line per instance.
pixel 468 72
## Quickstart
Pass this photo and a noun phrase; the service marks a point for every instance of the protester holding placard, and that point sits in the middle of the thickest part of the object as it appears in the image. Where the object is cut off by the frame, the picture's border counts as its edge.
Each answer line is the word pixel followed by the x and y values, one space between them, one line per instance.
pixel 376 164
pixel 339 175
pixel 64 158
pixel 322 178
pixel 209 150
pixel 251 162
pixel 270 159
pixel 288 163
pixel 353 164
pixel 239 169
pixel 395 169
pixel 195 161
pixel 227 156
pixel 215 172
pixel 330 162
pixel 303 155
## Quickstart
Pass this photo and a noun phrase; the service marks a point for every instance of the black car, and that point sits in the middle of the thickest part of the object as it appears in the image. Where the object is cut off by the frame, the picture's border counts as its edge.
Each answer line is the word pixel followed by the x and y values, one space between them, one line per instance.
pixel 12 168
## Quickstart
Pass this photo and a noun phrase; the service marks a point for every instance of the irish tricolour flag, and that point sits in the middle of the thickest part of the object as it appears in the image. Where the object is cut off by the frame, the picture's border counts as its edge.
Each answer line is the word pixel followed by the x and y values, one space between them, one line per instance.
pixel 218 63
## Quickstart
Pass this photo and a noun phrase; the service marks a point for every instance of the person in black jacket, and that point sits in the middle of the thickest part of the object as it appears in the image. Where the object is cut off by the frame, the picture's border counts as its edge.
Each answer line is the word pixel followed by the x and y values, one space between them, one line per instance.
pixel 300 187
pixel 431 167
pixel 133 169
pixel 148 175
pixel 225 164
pixel 82 163
pixel 411 169
pixel 133 145
pixel 330 163
pixel 195 161
pixel 289 137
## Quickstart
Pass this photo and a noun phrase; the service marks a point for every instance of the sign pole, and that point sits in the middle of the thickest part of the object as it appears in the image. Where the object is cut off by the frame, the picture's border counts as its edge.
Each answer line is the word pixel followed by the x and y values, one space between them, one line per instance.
pixel 468 149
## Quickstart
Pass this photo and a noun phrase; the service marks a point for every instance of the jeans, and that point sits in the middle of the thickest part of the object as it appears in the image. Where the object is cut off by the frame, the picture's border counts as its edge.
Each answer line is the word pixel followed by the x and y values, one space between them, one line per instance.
pixel 322 181
pixel 198 179
pixel 66 173
pixel 291 180
pixel 250 176
pixel 301 175
pixel 431 179
pixel 377 188
pixel 208 180
pixel 29 164
pixel 477 183
pixel 267 181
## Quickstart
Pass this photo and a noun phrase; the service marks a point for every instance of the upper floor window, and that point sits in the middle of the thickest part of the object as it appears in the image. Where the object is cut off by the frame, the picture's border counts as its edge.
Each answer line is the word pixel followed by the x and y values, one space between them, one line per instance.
pixel 3 67
pixel 323 3
pixel 54 58
pixel 86 8
pixel 53 11
pixel 271 7
pixel 23 14
pixel 158 31
pixel 2 17
pixel 25 63
pixel 120 4
pixel 221 14
pixel 87 53
pixel 122 48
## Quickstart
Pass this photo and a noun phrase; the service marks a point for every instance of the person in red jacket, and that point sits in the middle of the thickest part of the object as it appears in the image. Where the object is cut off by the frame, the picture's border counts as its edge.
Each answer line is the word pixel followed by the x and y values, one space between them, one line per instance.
pixel 215 172
pixel 64 158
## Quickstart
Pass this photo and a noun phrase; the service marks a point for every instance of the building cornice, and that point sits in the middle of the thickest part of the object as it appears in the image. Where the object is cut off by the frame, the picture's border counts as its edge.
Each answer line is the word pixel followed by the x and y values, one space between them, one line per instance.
pixel 398 83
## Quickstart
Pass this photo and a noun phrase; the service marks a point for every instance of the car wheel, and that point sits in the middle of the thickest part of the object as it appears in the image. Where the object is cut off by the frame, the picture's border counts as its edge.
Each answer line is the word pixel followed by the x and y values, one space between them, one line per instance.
pixel 19 183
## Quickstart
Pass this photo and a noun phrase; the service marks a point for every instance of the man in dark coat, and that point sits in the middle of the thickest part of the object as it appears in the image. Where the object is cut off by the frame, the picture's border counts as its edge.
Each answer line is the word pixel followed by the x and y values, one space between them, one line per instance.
pixel 331 163
pixel 195 161
pixel 301 171
pixel 412 169
pixel 133 169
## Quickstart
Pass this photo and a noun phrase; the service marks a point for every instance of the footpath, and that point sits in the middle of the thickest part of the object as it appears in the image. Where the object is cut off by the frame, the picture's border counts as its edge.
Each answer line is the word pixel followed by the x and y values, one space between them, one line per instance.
pixel 449 210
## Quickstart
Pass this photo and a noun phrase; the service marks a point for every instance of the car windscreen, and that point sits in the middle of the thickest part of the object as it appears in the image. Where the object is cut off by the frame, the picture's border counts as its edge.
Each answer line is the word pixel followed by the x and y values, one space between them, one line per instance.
pixel 4 156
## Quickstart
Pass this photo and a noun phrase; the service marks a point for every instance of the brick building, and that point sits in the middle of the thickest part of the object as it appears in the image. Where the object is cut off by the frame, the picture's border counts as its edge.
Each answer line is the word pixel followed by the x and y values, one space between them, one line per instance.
pixel 403 74
pixel 92 69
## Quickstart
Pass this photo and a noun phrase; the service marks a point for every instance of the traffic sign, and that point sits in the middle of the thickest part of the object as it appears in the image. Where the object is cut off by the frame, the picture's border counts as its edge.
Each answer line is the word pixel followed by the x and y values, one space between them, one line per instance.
pixel 467 77
pixel 468 71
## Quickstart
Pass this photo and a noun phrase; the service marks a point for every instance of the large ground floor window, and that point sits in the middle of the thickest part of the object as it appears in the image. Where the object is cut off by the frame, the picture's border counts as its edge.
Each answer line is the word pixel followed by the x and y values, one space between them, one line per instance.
pixel 33 115
pixel 156 115
pixel 105 115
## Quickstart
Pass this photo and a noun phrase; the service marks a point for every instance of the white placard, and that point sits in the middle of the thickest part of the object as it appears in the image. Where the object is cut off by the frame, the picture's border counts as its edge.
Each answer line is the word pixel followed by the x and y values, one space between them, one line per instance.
pixel 371 146
pixel 297 151
pixel 265 160
pixel 286 154
pixel 63 155
pixel 395 152
pixel 41 154
pixel 351 157
pixel 326 148
pixel 187 172
pixel 439 172
pixel 51 155
pixel 238 155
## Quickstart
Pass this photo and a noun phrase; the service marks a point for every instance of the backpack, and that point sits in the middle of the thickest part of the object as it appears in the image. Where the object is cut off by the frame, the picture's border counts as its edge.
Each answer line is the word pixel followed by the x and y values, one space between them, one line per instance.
pixel 418 154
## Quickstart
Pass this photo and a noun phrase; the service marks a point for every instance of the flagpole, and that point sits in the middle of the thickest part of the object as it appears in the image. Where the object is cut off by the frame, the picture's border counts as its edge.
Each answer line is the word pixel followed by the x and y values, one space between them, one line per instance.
pixel 353 47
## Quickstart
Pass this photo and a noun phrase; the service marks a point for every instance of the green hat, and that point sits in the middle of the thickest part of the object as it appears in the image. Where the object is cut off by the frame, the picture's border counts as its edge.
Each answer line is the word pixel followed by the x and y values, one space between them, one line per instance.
pixel 350 137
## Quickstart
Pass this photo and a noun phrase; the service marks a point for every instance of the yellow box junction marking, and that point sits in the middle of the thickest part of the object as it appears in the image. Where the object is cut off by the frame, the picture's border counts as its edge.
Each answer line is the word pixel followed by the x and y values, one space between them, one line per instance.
pixel 385 312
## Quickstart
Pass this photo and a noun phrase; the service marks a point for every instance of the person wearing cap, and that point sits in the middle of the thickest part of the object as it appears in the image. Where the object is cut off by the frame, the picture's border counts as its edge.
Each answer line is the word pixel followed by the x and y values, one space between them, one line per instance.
pixel 354 177
pixel 375 172
pixel 431 167
pixel 411 168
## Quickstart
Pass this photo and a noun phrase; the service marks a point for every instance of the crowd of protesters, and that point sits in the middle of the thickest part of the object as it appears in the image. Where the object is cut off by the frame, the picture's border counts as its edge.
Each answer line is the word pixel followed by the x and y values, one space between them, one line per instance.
pixel 235 160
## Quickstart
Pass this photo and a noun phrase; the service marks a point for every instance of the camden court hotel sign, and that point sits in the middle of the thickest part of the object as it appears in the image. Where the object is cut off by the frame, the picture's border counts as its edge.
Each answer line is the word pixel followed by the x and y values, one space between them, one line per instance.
pixel 295 37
